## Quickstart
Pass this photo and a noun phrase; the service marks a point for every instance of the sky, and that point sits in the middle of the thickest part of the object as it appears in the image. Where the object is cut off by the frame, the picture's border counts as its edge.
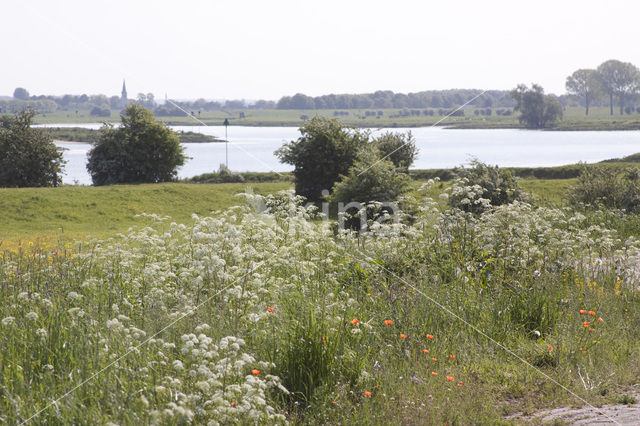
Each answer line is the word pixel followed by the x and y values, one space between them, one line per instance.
pixel 257 49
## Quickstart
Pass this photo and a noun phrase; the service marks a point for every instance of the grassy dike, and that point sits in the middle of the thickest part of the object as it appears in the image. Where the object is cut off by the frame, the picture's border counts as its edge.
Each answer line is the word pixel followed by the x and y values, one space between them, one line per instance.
pixel 70 212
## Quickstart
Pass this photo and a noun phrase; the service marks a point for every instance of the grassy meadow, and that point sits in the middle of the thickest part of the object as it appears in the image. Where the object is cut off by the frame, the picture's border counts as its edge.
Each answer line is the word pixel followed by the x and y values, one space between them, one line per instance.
pixel 574 119
pixel 260 313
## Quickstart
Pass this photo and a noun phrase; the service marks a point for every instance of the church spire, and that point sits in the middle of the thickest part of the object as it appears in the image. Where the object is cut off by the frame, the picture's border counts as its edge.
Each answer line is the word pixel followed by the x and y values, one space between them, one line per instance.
pixel 123 98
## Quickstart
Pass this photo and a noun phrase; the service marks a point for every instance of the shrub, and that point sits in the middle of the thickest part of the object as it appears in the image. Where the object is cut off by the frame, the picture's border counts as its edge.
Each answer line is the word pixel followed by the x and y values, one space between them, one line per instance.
pixel 324 151
pixel 607 187
pixel 28 156
pixel 140 150
pixel 482 185
pixel 399 148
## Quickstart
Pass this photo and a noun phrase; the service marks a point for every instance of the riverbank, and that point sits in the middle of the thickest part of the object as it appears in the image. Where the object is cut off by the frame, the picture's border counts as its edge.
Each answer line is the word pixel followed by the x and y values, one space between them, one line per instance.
pixel 84 135
pixel 474 118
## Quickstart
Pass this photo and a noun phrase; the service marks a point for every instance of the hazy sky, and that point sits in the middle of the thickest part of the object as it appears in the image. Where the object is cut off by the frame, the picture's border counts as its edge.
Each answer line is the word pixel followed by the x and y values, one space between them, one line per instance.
pixel 257 49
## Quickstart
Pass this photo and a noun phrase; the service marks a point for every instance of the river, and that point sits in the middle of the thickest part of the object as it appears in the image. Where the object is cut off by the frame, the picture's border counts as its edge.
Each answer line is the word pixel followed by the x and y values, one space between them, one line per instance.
pixel 251 148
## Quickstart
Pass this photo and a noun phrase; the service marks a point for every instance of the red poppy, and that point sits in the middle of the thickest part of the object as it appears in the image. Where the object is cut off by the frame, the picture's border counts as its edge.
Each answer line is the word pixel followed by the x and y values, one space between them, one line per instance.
pixel 600 319
pixel 404 336
pixel 433 373
pixel 434 359
pixel 426 351
pixel 586 323
pixel 388 322
pixel 592 313
pixel 459 383
pixel 233 403
pixel 452 356
pixel 270 309
pixel 449 379
pixel 255 372
pixel 583 311
pixel 367 393
pixel 550 348
pixel 429 336
pixel 355 321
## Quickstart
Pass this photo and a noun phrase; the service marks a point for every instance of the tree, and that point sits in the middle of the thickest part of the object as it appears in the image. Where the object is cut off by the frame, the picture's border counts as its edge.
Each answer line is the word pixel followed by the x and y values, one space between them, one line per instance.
pixel 537 110
pixel 28 156
pixel 324 151
pixel 140 150
pixel 21 93
pixel 399 148
pixel 621 79
pixel 584 83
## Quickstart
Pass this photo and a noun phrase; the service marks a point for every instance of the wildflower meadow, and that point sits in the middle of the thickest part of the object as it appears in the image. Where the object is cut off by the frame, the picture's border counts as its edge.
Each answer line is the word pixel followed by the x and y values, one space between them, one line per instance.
pixel 266 314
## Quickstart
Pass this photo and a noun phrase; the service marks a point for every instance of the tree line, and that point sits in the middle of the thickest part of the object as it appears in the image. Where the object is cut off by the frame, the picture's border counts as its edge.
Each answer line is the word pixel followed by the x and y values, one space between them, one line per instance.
pixel 613 80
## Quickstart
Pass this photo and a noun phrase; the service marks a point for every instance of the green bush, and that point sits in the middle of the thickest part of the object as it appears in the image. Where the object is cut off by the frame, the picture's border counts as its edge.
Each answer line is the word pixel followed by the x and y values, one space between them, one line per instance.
pixel 482 185
pixel 607 187
pixel 140 150
pixel 28 156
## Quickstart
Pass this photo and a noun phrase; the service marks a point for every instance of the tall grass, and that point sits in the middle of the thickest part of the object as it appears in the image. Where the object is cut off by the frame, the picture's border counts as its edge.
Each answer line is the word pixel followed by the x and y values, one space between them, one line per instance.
pixel 245 316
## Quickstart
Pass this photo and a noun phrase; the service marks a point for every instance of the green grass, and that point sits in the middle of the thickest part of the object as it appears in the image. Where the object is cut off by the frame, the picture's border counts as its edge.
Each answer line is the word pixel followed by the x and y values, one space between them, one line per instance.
pixel 69 212
pixel 238 302
pixel 574 119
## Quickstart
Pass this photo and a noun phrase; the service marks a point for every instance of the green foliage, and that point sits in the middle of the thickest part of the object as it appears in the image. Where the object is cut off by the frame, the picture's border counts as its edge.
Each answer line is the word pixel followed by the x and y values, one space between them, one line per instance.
pixel 28 156
pixel 537 110
pixel 399 148
pixel 370 179
pixel 324 151
pixel 619 79
pixel 607 187
pixel 481 185
pixel 101 111
pixel 21 93
pixel 586 84
pixel 140 150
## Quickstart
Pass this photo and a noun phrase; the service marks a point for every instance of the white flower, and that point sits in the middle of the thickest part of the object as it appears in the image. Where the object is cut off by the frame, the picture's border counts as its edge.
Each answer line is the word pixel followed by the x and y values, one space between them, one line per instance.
pixel 177 365
pixel 32 316
pixel 8 321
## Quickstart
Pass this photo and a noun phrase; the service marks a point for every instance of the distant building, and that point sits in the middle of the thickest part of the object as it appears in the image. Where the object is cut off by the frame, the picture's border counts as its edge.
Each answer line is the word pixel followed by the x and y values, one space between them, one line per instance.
pixel 123 97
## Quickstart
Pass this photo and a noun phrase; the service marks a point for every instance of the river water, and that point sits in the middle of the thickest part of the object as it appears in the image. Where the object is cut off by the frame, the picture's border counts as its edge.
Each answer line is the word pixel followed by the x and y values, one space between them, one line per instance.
pixel 251 148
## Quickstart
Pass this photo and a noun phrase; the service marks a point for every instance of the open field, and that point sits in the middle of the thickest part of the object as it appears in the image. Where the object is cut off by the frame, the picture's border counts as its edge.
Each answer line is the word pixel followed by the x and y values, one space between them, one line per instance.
pixel 266 317
pixel 574 119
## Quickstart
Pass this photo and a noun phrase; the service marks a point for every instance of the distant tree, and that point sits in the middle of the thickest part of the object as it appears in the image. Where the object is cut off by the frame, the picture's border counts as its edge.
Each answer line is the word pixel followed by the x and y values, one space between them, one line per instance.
pixel 21 93
pixel 621 79
pixel 115 102
pixel 234 104
pixel 399 148
pixel 537 110
pixel 300 101
pixel 139 150
pixel 324 151
pixel 28 156
pixel 584 83
pixel 101 111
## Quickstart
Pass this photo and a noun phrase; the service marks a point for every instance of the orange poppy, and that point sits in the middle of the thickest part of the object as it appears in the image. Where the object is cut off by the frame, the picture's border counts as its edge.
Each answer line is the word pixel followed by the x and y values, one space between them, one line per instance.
pixel 367 393
pixel 592 313
pixel 586 323
pixel 550 348
pixel 452 356
pixel 449 379
pixel 388 322
pixel 355 321
pixel 434 359
pixel 255 372
pixel 591 329
pixel 404 336
pixel 583 311
pixel 600 319
pixel 433 373
pixel 459 383
pixel 233 403
pixel 270 308
pixel 429 336
pixel 426 351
